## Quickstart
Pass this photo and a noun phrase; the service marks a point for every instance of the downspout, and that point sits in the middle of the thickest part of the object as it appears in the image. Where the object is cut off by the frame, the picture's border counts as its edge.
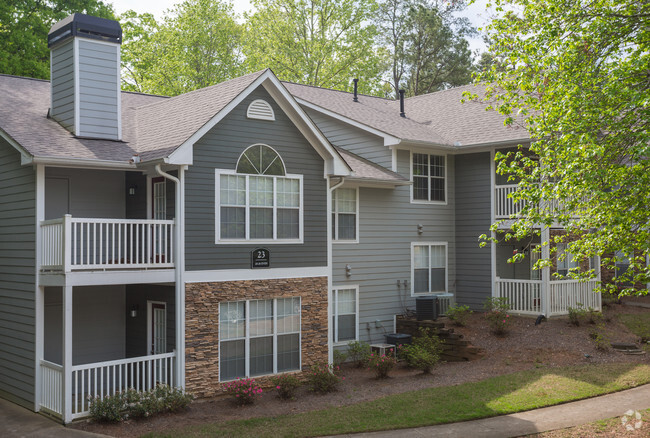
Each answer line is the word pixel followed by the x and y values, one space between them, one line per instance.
pixel 179 256
pixel 330 340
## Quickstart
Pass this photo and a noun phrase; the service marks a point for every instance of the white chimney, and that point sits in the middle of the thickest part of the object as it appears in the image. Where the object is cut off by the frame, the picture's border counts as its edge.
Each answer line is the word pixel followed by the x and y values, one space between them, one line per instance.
pixel 85 76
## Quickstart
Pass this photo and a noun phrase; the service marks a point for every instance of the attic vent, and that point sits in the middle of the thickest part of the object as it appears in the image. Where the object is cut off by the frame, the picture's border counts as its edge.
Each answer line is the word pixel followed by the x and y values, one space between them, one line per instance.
pixel 260 109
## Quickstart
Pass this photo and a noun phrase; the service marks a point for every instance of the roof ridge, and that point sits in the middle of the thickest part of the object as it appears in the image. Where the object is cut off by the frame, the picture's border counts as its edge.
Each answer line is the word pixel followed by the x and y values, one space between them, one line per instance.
pixel 442 91
pixel 337 91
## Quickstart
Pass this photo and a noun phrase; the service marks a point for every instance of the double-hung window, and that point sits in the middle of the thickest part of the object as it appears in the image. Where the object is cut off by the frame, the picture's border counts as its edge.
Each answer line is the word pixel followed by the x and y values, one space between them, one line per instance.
pixel 259 201
pixel 565 260
pixel 259 337
pixel 429 262
pixel 345 307
pixel 344 215
pixel 429 173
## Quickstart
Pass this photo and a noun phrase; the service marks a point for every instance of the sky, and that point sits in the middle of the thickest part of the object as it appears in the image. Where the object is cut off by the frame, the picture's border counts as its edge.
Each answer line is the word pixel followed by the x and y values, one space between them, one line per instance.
pixel 475 12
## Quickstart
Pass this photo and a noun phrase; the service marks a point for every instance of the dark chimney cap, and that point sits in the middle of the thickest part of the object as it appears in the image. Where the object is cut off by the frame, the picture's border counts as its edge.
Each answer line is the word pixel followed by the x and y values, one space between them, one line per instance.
pixel 401 103
pixel 356 81
pixel 86 26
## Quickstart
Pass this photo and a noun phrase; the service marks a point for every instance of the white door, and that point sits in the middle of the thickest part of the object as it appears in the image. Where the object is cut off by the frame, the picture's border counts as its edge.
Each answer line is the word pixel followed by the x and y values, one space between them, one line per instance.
pixel 158 329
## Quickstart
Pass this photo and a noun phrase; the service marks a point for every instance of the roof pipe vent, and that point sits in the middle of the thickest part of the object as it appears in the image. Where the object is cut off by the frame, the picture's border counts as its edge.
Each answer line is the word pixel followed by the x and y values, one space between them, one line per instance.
pixel 355 80
pixel 401 103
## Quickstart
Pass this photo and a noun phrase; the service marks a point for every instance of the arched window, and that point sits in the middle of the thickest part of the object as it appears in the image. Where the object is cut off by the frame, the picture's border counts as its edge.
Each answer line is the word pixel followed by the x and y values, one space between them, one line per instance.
pixel 258 201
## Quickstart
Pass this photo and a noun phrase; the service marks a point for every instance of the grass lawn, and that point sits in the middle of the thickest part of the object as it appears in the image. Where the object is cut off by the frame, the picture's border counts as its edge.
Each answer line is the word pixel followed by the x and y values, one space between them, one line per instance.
pixel 637 323
pixel 495 396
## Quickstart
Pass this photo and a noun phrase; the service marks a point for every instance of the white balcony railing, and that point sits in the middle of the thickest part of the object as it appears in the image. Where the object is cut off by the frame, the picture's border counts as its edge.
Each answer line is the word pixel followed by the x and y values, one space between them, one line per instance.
pixel 524 296
pixel 504 205
pixel 70 244
pixel 572 293
pixel 52 388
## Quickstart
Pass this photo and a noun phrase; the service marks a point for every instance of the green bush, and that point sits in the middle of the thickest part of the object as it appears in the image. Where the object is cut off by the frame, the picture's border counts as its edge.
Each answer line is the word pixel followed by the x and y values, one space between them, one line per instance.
pixel 459 314
pixel 424 353
pixel 134 404
pixel 576 314
pixel 359 353
pixel 382 364
pixel 286 385
pixel 243 391
pixel 322 378
pixel 496 312
pixel 339 357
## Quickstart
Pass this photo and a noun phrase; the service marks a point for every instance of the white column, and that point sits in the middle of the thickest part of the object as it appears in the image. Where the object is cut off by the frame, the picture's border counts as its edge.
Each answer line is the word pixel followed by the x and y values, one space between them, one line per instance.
pixel 546 271
pixel 493 245
pixel 67 354
pixel 39 307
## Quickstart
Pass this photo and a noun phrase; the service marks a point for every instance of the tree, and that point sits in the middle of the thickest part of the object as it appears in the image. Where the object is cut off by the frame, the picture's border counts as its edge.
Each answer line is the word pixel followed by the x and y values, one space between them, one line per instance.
pixel 325 43
pixel 576 74
pixel 426 44
pixel 24 26
pixel 197 44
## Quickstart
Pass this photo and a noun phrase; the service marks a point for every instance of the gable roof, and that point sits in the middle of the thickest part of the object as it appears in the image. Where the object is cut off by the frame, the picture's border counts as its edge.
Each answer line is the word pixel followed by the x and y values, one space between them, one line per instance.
pixel 367 172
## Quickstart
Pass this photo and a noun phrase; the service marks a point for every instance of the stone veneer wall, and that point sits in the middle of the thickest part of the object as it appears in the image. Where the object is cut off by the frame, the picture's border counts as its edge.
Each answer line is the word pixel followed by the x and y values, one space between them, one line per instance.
pixel 202 323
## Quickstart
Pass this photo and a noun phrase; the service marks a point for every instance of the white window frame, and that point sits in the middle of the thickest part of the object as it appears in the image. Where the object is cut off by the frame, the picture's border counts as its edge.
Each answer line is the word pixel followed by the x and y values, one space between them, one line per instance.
pixel 429 244
pixel 446 178
pixel 335 313
pixel 568 263
pixel 247 207
pixel 335 214
pixel 247 337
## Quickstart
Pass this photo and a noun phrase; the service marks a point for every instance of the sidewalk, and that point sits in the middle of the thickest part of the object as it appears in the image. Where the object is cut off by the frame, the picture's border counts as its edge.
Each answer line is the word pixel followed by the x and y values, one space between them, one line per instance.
pixel 538 420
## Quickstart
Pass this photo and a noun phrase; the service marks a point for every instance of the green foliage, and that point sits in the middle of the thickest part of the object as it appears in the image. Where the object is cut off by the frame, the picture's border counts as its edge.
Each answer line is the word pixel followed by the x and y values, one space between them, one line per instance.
pixel 324 43
pixel 459 314
pixel 196 45
pixel 134 404
pixel 496 312
pixel 286 385
pixel 339 357
pixel 424 353
pixel 574 74
pixel 598 335
pixel 243 391
pixel 24 26
pixel 322 378
pixel 359 352
pixel 637 323
pixel 576 314
pixel 381 364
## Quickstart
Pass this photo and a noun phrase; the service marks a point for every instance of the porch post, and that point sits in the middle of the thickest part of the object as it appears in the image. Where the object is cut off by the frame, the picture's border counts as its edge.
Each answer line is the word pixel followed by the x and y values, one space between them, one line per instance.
pixel 67 354
pixel 546 270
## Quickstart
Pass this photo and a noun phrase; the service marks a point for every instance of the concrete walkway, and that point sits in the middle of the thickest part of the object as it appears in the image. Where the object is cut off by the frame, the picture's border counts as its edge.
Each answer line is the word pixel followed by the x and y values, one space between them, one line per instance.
pixel 529 422
pixel 16 421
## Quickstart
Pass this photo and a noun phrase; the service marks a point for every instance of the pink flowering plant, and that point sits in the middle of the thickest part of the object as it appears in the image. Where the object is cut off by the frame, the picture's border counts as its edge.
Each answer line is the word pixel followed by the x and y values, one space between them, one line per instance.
pixel 323 378
pixel 382 364
pixel 496 313
pixel 244 391
pixel 286 386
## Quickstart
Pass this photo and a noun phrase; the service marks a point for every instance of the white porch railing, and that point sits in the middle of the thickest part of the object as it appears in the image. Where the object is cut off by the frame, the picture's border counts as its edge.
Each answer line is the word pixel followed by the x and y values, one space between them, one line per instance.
pixel 572 293
pixel 52 388
pixel 529 297
pixel 99 380
pixel 70 244
pixel 524 296
pixel 504 205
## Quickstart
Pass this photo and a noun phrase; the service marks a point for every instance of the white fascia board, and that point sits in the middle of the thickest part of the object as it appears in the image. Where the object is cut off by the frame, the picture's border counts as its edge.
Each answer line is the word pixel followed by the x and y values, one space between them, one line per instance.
pixel 374 183
pixel 389 140
pixel 214 276
pixel 25 157
pixel 487 146
pixel 83 163
pixel 337 165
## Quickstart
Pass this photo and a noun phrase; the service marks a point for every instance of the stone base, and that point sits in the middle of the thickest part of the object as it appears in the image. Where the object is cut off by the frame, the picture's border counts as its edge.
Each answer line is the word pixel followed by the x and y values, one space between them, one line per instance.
pixel 202 324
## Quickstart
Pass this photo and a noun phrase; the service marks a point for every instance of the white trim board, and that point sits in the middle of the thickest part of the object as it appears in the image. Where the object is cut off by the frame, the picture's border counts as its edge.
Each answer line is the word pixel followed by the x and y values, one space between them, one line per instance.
pixel 93 278
pixel 254 274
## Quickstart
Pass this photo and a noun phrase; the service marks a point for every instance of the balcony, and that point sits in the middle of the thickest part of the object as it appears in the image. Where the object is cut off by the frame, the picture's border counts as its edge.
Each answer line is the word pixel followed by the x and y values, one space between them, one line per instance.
pixel 506 207
pixel 73 244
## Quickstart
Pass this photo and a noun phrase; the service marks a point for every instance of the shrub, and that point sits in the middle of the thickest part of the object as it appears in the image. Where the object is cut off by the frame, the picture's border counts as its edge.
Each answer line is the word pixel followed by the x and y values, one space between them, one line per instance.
pixel 134 404
pixel 286 385
pixel 339 357
pixel 598 335
pixel 322 378
pixel 576 314
pixel 459 314
pixel 496 312
pixel 382 364
pixel 244 391
pixel 594 316
pixel 359 352
pixel 425 351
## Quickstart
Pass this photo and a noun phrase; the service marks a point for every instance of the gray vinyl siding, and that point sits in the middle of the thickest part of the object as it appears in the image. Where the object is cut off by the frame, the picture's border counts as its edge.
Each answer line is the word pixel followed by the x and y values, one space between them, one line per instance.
pixel 98 89
pixel 353 139
pixel 220 148
pixel 17 277
pixel 136 328
pixel 63 85
pixel 136 205
pixel 473 272
pixel 388 225
pixel 91 193
pixel 98 324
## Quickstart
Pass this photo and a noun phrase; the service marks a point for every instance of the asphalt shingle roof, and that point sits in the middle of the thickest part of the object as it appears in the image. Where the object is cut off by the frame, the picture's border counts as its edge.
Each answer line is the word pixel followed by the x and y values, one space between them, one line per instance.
pixel 365 170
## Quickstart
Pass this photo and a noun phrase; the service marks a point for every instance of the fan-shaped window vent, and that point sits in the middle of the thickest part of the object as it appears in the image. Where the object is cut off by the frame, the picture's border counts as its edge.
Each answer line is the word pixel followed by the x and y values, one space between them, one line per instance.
pixel 260 109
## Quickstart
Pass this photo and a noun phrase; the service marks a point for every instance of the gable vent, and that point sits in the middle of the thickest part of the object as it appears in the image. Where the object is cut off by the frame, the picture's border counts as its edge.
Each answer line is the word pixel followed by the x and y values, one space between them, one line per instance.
pixel 260 109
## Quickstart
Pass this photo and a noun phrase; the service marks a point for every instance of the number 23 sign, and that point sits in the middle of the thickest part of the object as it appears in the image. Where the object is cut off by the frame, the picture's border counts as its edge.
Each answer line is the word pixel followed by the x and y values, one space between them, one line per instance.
pixel 260 258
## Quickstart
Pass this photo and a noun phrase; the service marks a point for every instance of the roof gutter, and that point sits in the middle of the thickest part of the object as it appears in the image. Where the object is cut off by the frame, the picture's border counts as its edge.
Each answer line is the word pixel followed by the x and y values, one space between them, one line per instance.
pixel 77 162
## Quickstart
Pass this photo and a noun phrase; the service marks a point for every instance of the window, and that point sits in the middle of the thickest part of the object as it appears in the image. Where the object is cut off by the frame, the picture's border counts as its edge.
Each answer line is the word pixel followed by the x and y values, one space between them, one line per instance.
pixel 568 263
pixel 621 265
pixel 344 215
pixel 345 307
pixel 428 177
pixel 429 263
pixel 269 330
pixel 259 201
pixel 535 255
